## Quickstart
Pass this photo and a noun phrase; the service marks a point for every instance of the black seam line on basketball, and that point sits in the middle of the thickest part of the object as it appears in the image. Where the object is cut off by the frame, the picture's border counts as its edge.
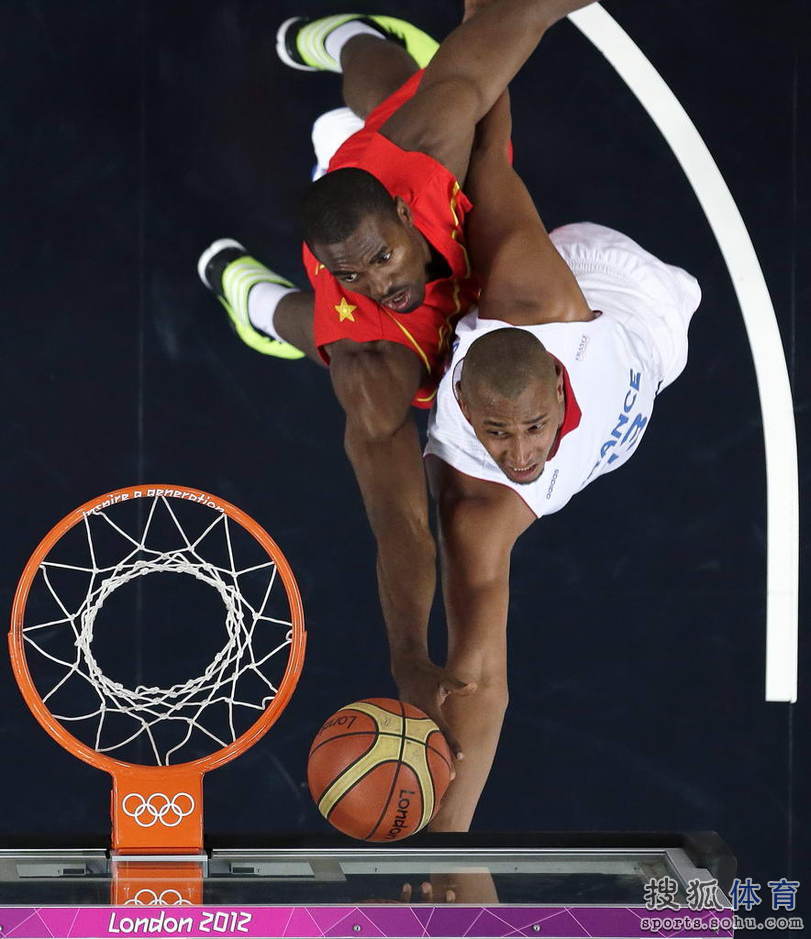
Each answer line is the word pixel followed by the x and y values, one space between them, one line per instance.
pixel 422 784
pixel 343 772
pixel 422 787
pixel 399 767
pixel 363 733
pixel 355 710
pixel 360 713
pixel 442 756
pixel 357 782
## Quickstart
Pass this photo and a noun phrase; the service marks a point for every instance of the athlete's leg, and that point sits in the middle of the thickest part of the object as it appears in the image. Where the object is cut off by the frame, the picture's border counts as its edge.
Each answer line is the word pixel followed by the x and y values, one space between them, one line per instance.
pixel 373 69
pixel 376 53
pixel 294 322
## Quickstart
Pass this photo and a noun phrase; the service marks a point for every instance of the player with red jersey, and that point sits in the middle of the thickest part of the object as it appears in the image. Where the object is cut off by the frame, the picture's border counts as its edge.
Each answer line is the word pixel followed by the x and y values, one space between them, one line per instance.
pixel 384 225
pixel 438 208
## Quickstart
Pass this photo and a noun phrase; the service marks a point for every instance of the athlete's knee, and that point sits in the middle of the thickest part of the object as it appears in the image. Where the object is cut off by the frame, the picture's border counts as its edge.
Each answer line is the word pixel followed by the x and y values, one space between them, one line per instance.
pixel 373 70
pixel 375 383
pixel 371 422
pixel 377 59
pixel 462 98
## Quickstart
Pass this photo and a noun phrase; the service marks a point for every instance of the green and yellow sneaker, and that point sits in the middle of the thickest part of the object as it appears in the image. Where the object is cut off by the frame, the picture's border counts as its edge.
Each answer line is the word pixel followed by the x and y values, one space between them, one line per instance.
pixel 226 268
pixel 300 40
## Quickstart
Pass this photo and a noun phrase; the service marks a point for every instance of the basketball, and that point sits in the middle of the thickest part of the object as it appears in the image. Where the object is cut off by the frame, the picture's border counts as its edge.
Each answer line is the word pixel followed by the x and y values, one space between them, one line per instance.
pixel 378 769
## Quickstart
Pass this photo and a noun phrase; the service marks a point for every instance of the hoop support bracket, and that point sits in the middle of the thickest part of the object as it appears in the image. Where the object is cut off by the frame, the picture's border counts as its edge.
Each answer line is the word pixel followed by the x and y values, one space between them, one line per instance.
pixel 157 810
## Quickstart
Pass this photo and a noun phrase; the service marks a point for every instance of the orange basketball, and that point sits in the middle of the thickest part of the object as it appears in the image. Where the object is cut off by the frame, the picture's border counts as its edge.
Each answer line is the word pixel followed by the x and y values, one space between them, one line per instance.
pixel 378 769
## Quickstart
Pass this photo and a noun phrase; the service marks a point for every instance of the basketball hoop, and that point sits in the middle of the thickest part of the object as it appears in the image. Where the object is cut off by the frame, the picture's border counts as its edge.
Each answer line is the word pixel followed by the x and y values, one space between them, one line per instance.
pixel 118 539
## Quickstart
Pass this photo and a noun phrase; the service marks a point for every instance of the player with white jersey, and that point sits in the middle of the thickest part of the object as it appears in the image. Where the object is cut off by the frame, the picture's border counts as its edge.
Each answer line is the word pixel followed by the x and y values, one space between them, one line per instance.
pixel 612 367
pixel 551 384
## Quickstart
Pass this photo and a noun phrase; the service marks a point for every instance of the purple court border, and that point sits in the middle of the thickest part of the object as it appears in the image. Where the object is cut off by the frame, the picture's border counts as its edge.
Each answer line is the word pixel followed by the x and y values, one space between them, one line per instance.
pixel 355 922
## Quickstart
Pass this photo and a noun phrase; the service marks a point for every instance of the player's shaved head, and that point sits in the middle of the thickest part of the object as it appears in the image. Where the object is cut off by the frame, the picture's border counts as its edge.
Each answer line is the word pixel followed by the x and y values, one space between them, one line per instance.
pixel 504 363
pixel 511 391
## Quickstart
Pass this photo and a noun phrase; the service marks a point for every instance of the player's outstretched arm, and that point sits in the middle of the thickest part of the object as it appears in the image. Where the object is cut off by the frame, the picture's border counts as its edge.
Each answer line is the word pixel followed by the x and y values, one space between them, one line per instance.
pixel 375 383
pixel 472 67
pixel 479 522
pixel 524 279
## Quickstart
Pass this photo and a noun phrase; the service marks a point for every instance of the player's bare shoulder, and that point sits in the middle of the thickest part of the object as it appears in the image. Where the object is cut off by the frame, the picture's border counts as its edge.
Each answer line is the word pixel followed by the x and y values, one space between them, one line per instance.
pixel 477 505
pixel 439 122
pixel 530 284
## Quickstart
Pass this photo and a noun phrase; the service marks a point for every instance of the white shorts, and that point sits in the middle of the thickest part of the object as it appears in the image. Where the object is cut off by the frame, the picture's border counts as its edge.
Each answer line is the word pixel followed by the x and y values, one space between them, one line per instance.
pixel 330 131
pixel 652 299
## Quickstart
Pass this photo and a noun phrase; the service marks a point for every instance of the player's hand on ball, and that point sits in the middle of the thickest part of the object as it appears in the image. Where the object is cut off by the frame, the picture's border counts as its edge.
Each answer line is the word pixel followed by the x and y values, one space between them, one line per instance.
pixel 378 769
pixel 427 686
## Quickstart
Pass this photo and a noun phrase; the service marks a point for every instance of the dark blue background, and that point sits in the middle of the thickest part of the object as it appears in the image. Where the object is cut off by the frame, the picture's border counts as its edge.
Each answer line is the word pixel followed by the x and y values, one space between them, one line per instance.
pixel 136 132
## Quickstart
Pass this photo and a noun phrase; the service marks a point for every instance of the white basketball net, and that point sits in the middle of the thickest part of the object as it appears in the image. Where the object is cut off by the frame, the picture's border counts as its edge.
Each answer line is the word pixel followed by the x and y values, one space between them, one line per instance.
pixel 186 704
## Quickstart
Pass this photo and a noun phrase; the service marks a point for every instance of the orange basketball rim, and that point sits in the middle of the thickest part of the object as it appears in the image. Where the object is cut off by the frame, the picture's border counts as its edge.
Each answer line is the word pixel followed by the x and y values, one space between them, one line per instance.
pixel 158 809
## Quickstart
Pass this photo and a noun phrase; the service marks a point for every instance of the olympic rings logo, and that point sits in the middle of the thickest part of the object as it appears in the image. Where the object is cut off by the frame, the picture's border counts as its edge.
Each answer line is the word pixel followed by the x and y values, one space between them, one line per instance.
pixel 148 897
pixel 158 807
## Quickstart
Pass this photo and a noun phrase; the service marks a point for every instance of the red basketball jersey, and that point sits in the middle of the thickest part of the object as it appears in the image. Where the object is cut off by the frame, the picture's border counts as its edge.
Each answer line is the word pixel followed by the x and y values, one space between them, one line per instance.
pixel 438 207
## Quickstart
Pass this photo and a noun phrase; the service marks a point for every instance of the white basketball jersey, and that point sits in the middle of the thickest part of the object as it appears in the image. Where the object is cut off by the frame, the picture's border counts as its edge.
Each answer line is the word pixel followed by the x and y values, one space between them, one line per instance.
pixel 616 363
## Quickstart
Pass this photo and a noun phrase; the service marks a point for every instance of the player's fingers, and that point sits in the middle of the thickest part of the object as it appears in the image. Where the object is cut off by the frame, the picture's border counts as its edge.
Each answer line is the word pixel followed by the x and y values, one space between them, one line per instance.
pixel 450 738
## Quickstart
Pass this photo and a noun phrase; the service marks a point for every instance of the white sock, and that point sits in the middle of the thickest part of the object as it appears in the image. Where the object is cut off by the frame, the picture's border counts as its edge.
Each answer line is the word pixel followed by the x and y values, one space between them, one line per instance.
pixel 263 299
pixel 341 35
pixel 330 131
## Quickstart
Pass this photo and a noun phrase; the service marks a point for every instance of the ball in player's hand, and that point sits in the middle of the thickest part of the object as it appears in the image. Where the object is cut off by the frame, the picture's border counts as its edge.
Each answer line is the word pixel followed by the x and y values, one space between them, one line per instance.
pixel 378 769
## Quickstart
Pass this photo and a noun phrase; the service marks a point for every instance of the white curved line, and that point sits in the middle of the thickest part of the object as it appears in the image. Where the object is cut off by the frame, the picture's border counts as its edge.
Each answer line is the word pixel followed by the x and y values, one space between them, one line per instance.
pixel 779 432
